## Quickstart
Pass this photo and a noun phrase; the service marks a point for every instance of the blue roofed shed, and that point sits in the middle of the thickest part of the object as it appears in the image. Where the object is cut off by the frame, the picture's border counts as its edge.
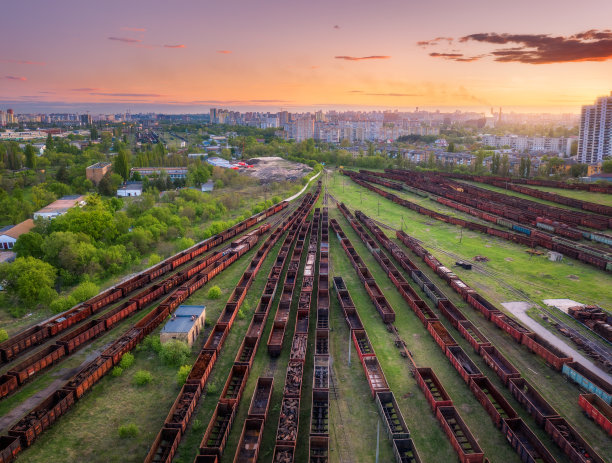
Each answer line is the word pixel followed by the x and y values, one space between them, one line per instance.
pixel 185 324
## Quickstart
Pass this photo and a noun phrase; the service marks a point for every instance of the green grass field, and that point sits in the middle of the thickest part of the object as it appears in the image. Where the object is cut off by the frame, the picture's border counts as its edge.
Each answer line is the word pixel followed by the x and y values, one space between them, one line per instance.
pixel 536 277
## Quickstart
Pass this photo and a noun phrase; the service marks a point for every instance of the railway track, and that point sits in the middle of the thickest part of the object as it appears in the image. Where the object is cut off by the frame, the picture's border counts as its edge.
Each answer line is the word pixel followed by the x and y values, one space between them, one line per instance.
pixel 589 340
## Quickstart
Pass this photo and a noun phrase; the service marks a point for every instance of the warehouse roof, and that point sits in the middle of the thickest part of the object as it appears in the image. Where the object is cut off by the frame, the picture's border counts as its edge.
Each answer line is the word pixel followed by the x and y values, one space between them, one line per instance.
pixel 15 231
pixel 183 318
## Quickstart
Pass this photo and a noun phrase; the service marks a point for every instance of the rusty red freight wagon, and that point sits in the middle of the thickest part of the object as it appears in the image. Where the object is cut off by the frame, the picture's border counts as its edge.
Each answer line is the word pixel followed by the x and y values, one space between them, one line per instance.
pixel 374 374
pixel 43 416
pixel 472 335
pixel 525 443
pixel 492 400
pixel 165 446
pixel 10 446
pixel 392 417
pixel 460 435
pixel 571 442
pixel 462 363
pixel 37 362
pixel 554 356
pixel 215 437
pixel 260 402
pixel 117 314
pixel 482 305
pixel 202 367
pixel 236 380
pixel 441 335
pixel 432 388
pixel 318 449
pixel 249 444
pixel 496 361
pixel 598 410
pixel 451 312
pixel 531 399
pixel 183 407
pixel 81 335
pixel 510 326
pixel 405 451
pixel 89 375
pixel 21 342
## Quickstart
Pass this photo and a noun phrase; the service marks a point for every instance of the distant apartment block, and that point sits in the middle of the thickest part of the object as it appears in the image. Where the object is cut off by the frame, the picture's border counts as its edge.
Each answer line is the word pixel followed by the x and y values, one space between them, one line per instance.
pixel 542 144
pixel 595 139
pixel 97 171
pixel 59 207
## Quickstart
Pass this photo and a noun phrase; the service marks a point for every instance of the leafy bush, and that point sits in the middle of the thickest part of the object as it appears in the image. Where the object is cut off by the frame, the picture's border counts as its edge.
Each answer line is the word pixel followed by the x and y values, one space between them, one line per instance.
pixel 84 291
pixel 154 259
pixel 127 360
pixel 127 431
pixel 175 353
pixel 152 343
pixel 182 374
pixel 197 425
pixel 61 304
pixel 142 377
pixel 3 335
pixel 214 292
pixel 116 372
pixel 241 314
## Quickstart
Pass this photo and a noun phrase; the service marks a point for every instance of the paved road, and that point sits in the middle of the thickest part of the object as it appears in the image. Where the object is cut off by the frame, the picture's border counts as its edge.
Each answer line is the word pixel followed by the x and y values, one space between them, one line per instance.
pixel 518 309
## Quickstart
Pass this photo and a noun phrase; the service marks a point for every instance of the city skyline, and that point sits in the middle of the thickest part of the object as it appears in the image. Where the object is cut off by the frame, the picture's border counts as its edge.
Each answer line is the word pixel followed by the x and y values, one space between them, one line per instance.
pixel 187 56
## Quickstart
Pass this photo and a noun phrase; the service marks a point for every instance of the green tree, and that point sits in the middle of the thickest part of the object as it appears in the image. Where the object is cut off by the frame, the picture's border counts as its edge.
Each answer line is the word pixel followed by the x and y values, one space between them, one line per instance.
pixel 505 165
pixel 451 147
pixel 606 166
pixel 29 245
pixel 142 378
pixel 578 170
pixel 93 133
pixel 4 336
pixel 49 144
pixel 121 165
pixel 30 280
pixel 30 156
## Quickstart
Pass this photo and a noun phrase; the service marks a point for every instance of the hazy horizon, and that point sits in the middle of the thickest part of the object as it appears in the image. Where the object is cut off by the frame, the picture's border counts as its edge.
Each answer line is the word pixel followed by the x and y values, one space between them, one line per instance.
pixel 546 56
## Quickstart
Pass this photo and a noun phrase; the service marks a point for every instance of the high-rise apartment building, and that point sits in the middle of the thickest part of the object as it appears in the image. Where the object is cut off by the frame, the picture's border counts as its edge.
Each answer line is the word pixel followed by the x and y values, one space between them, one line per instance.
pixel 595 139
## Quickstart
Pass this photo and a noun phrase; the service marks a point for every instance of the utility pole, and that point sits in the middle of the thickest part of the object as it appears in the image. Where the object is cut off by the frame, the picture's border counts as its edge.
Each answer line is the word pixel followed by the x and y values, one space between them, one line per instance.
pixel 349 350
pixel 461 238
pixel 379 207
pixel 377 439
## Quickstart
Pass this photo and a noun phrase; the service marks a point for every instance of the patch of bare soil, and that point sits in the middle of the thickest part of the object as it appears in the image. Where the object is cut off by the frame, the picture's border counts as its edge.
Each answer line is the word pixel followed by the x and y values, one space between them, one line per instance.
pixel 276 169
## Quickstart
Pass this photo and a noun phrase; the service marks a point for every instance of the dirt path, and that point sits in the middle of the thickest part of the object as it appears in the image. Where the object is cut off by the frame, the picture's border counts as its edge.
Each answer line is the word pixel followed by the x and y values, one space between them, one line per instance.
pixel 519 309
pixel 303 189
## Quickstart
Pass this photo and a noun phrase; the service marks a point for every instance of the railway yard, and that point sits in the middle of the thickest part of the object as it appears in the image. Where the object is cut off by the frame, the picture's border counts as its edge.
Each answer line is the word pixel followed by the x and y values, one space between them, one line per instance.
pixel 362 321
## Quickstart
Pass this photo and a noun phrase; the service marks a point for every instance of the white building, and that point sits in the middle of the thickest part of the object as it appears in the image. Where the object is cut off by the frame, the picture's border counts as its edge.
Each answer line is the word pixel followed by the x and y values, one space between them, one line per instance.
pixel 595 139
pixel 521 143
pixel 130 189
pixel 10 234
pixel 59 207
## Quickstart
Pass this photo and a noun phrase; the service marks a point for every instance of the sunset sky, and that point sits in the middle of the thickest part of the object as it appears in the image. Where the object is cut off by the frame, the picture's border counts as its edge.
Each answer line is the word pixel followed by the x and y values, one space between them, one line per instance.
pixel 189 55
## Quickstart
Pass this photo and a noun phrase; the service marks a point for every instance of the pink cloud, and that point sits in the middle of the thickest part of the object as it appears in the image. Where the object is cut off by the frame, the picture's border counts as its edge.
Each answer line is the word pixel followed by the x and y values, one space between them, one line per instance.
pixel 19 78
pixel 175 46
pixel 224 52
pixel 125 39
pixel 362 58
pixel 21 61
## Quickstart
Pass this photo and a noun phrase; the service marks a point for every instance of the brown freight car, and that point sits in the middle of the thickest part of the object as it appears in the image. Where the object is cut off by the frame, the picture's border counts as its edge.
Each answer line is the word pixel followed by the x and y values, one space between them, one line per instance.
pixel 531 399
pixel 492 400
